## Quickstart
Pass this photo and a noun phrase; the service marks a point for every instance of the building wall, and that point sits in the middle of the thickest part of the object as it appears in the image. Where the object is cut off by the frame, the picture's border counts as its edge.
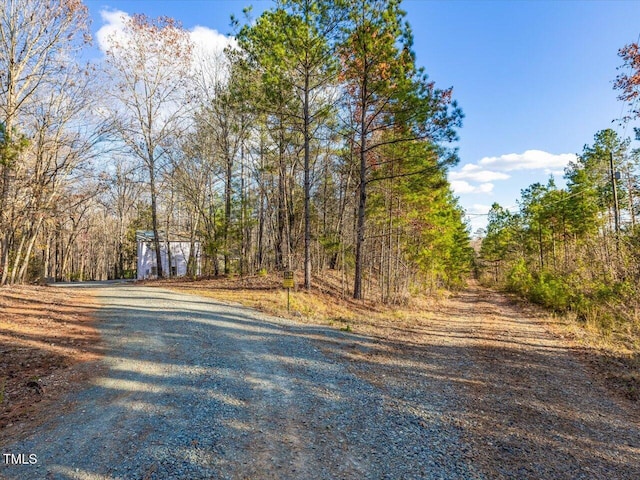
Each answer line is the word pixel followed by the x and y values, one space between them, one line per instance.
pixel 180 253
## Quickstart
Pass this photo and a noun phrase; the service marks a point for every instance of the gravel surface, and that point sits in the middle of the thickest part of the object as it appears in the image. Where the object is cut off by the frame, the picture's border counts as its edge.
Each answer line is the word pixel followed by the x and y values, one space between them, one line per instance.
pixel 192 389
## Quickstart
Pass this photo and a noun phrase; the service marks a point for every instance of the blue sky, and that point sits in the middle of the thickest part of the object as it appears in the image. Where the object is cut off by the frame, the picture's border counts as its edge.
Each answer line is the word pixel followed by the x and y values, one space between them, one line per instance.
pixel 534 78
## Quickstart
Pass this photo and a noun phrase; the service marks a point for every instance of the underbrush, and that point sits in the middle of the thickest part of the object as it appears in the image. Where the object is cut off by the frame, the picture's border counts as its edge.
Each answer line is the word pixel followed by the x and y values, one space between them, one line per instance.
pixel 329 301
pixel 606 306
pixel 600 314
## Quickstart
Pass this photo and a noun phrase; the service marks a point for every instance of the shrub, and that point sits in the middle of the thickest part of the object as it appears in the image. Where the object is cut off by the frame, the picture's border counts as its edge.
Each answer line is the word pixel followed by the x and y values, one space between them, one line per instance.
pixel 550 291
pixel 519 279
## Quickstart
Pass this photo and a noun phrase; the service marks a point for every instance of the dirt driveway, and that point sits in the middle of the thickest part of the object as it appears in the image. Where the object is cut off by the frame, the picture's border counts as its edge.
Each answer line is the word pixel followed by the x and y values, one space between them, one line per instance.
pixel 192 389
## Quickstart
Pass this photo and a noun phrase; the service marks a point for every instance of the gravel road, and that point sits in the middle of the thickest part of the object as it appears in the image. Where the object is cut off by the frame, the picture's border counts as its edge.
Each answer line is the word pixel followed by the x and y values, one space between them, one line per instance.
pixel 193 389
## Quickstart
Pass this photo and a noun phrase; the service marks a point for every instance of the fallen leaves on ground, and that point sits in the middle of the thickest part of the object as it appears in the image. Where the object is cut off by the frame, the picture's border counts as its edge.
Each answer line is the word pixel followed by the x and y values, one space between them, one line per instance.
pixel 44 331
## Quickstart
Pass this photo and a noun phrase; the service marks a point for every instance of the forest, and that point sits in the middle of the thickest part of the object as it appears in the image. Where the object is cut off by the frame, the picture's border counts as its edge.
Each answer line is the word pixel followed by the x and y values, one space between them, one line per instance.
pixel 315 141
pixel 577 249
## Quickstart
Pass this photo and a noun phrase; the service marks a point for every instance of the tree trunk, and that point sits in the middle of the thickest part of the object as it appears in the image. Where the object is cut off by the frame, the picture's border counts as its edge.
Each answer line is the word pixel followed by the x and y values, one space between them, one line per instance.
pixel 540 245
pixel 260 252
pixel 17 259
pixel 360 229
pixel 227 213
pixel 362 197
pixel 307 185
pixel 243 239
pixel 282 241
pixel 6 184
pixel 154 221
pixel 28 253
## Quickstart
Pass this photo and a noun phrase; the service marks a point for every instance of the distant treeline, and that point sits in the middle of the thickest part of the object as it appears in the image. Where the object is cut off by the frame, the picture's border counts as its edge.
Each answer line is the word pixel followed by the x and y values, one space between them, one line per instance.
pixel 576 248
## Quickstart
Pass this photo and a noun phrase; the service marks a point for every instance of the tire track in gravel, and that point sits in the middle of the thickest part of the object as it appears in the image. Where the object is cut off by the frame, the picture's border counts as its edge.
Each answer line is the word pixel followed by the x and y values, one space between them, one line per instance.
pixel 192 389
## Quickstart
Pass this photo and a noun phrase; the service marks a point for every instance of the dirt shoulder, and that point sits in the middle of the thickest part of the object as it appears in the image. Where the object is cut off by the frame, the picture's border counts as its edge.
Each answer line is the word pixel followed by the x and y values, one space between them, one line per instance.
pixel 47 339
pixel 534 406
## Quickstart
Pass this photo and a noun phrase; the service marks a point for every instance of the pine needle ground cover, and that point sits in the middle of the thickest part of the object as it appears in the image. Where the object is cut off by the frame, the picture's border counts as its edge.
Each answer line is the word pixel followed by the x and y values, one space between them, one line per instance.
pixel 44 333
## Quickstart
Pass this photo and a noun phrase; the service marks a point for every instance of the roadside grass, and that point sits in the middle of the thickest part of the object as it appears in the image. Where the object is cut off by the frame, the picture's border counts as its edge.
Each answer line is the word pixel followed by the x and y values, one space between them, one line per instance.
pixel 328 302
pixel 614 352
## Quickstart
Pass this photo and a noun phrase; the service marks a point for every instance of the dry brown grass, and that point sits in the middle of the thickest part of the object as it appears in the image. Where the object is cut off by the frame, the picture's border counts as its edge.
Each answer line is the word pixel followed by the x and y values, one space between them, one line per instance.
pixel 326 303
pixel 616 357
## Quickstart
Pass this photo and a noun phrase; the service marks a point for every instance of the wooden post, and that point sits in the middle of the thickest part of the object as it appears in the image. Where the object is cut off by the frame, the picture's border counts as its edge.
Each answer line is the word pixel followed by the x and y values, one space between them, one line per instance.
pixel 288 283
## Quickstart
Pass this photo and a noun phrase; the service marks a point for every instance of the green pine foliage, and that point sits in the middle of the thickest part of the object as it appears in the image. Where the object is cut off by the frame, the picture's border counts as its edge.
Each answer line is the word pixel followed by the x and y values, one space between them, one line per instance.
pixel 355 127
pixel 316 141
pixel 418 223
pixel 561 249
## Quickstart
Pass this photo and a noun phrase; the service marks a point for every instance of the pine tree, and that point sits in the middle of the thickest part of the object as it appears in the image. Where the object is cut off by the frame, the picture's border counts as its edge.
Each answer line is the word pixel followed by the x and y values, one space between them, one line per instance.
pixel 388 99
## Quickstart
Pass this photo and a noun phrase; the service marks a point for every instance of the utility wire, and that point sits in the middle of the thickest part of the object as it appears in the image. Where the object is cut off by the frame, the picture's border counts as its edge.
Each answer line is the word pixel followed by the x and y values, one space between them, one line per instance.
pixel 574 194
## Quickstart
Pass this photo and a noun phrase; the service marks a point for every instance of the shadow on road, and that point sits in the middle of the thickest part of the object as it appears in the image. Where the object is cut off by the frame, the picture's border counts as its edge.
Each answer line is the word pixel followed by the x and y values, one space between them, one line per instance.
pixel 195 389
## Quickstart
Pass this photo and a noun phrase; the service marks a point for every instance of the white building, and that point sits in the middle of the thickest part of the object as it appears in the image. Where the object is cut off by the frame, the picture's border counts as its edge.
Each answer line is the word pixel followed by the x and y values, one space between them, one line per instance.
pixel 179 251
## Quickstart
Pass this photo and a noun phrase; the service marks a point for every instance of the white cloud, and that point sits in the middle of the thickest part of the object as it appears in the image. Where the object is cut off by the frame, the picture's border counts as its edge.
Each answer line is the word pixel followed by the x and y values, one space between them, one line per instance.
pixel 209 65
pixel 460 187
pixel 479 208
pixel 529 160
pixel 112 29
pixel 477 174
pixel 206 41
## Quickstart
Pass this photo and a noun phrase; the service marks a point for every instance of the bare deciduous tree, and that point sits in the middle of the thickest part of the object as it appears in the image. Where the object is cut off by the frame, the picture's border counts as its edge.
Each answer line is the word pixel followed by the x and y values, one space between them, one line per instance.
pixel 150 65
pixel 37 39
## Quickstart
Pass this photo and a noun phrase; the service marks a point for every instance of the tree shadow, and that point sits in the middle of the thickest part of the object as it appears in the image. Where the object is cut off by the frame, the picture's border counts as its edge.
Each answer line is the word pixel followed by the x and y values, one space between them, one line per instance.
pixel 195 389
